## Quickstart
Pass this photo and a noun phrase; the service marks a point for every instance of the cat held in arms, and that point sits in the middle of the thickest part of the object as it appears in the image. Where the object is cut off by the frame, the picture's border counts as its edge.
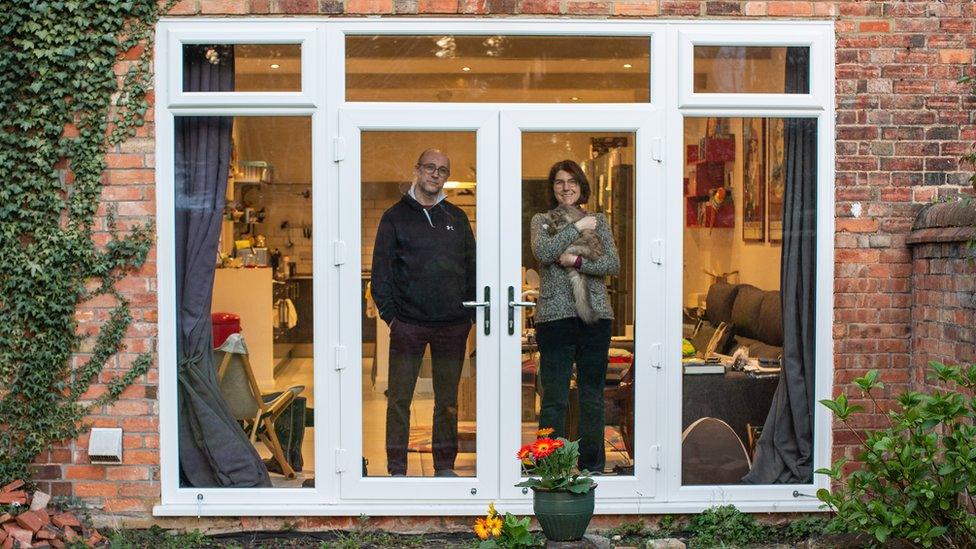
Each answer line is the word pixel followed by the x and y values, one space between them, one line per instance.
pixel 587 245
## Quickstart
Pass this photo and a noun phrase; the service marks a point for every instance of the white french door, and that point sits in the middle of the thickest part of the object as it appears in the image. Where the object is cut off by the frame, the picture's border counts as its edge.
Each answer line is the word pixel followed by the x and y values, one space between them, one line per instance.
pixel 499 163
pixel 617 148
pixel 381 152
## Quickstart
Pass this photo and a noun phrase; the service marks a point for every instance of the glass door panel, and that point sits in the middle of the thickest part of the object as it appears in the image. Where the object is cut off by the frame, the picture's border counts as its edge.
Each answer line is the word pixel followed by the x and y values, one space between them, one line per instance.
pixel 577 350
pixel 417 293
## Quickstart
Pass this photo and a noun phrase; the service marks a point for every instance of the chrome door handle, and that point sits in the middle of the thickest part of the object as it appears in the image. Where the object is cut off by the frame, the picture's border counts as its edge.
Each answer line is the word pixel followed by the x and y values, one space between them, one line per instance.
pixel 512 304
pixel 486 305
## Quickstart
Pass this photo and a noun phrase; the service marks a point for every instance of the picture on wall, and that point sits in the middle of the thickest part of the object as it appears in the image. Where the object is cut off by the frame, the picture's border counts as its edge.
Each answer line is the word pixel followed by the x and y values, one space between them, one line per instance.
pixel 754 180
pixel 776 177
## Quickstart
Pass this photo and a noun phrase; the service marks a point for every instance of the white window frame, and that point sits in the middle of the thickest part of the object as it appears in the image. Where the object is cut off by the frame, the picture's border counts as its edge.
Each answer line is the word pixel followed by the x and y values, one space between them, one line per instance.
pixel 322 96
pixel 762 35
pixel 304 35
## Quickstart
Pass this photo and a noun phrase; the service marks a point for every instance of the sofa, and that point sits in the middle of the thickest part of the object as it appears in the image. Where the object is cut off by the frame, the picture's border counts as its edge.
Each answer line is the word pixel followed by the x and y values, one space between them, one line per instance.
pixel 754 318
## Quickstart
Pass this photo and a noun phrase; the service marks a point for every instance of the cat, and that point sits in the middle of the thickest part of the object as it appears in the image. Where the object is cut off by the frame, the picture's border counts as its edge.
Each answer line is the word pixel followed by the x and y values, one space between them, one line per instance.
pixel 587 245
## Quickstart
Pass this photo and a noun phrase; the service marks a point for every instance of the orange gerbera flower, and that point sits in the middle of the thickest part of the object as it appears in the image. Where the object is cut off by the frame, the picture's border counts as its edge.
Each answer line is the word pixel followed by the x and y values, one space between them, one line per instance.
pixel 494 526
pixel 481 528
pixel 544 446
pixel 545 432
pixel 524 453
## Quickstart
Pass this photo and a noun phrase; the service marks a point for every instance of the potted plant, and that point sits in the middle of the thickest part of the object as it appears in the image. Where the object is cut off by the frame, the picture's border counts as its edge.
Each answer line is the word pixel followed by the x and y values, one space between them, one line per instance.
pixel 562 496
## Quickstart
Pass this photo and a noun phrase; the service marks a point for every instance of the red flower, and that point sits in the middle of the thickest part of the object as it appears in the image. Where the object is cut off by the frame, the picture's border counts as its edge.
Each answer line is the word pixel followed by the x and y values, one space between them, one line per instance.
pixel 525 453
pixel 544 446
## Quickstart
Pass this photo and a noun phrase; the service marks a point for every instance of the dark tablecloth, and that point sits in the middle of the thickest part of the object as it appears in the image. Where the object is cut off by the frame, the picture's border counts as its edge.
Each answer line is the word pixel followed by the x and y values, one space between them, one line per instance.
pixel 735 398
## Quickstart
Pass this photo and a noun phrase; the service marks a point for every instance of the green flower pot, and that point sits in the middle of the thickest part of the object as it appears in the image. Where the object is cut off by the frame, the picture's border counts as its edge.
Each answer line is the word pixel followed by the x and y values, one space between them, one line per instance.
pixel 563 516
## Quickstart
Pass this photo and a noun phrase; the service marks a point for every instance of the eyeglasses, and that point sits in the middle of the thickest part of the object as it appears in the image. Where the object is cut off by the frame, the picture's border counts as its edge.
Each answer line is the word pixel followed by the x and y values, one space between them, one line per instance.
pixel 566 183
pixel 429 169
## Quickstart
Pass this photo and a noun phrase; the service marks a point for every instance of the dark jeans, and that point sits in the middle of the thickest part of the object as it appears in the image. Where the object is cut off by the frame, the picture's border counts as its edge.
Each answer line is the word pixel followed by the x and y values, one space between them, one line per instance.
pixel 407 345
pixel 561 343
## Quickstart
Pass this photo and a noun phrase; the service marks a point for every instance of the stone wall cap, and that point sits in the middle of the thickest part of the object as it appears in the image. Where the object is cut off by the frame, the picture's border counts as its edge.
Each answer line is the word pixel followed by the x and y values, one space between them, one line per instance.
pixel 944 222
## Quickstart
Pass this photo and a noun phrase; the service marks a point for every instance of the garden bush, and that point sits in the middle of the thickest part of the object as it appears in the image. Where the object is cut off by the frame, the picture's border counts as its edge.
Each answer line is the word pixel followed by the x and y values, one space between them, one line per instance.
pixel 918 474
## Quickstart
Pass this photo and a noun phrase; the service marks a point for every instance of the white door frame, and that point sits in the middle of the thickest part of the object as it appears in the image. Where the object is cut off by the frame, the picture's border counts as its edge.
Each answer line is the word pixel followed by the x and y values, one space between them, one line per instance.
pixel 647 123
pixel 352 122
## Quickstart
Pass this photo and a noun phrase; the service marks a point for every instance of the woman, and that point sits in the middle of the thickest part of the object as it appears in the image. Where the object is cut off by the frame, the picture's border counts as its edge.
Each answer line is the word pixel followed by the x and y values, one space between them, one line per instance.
pixel 563 338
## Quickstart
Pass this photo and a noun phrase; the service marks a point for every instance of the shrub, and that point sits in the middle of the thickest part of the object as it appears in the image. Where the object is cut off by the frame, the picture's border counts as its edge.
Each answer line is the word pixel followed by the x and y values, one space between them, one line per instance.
pixel 918 474
pixel 725 526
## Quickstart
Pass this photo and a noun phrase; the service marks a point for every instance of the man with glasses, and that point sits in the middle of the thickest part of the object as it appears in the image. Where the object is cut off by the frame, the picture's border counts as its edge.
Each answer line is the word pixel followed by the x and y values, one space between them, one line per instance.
pixel 423 268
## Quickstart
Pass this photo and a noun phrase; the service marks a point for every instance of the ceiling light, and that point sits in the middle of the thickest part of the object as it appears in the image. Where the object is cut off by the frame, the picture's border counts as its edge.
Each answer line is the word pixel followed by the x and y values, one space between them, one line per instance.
pixel 465 69
pixel 574 98
pixel 460 185
pixel 275 66
pixel 627 65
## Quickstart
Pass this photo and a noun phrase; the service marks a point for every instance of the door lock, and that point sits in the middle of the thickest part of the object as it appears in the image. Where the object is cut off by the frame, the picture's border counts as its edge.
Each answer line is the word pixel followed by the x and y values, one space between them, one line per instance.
pixel 512 304
pixel 486 305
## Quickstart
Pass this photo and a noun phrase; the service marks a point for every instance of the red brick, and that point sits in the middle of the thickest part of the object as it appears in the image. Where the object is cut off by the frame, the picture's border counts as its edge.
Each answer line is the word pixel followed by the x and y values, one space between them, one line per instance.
pixel 369 6
pixel 636 9
pixel 437 6
pixel 223 7
pixel 874 26
pixel 587 8
pixel 790 9
pixel 95 489
pixel 540 6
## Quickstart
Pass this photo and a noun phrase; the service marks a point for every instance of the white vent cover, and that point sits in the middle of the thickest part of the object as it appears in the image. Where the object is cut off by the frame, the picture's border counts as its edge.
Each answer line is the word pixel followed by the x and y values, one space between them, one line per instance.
pixel 105 445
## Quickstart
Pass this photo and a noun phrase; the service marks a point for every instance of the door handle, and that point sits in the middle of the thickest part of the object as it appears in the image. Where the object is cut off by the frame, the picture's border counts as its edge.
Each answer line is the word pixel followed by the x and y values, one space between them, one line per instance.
pixel 486 305
pixel 512 304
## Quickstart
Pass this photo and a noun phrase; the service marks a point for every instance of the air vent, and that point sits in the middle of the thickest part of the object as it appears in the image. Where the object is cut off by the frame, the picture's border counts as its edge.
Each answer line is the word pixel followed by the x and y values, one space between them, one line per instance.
pixel 105 445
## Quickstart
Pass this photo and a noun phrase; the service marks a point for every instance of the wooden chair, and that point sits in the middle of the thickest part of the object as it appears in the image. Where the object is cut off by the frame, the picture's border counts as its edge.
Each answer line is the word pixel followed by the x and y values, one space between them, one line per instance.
pixel 243 396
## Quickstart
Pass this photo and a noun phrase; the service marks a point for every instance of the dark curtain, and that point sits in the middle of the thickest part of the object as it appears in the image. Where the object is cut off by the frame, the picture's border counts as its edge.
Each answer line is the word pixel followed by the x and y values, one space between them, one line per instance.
pixel 214 450
pixel 784 453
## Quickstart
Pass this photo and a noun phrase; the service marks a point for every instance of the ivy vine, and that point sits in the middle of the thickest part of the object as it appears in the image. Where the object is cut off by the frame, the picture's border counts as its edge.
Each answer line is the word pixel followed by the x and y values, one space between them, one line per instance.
pixel 62 107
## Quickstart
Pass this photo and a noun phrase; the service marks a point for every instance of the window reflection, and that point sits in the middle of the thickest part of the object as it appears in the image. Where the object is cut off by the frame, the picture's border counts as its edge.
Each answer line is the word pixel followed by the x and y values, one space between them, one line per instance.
pixel 748 69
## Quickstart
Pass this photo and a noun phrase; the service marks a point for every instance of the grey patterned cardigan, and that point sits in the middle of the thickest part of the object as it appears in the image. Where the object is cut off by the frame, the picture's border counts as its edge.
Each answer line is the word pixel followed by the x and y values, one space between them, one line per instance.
pixel 555 292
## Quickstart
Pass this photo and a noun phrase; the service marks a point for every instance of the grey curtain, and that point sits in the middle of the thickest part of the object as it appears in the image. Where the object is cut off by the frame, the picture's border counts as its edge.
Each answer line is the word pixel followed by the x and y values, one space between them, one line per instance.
pixel 784 453
pixel 214 450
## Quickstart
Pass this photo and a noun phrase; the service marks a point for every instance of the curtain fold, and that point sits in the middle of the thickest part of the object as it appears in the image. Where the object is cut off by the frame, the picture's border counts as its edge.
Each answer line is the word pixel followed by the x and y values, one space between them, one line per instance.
pixel 784 453
pixel 214 450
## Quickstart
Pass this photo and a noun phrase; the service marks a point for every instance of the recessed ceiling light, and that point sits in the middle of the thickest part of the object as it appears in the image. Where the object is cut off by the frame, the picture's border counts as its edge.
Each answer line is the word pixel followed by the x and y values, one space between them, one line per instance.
pixel 627 65
pixel 275 66
pixel 574 98
pixel 465 69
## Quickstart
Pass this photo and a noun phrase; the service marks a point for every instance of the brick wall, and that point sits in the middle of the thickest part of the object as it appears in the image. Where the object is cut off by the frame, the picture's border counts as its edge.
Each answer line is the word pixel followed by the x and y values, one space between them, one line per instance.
pixel 943 288
pixel 902 122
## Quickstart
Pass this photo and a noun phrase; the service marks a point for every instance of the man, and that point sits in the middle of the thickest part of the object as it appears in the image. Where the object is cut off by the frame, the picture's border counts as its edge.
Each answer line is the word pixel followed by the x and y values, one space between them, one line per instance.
pixel 423 268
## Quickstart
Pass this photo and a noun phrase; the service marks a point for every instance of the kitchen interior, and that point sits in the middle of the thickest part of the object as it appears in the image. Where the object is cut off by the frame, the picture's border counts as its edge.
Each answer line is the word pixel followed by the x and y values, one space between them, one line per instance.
pixel 263 278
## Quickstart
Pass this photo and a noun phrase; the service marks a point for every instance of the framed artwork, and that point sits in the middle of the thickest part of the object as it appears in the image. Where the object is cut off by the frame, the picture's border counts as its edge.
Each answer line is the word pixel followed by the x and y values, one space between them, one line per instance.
pixel 776 177
pixel 754 179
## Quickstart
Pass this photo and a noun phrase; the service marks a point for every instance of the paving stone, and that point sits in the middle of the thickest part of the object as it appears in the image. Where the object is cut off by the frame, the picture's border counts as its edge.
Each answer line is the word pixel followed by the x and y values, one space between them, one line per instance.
pixel 589 541
pixel 665 543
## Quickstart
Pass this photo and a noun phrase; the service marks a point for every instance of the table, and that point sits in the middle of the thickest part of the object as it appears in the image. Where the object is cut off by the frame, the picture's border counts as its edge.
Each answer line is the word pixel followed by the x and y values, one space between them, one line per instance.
pixel 735 397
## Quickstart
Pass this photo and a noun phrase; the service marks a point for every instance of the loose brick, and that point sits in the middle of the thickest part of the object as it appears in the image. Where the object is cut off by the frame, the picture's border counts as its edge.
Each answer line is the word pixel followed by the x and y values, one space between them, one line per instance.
pixel 16 496
pixel 31 520
pixel 13 486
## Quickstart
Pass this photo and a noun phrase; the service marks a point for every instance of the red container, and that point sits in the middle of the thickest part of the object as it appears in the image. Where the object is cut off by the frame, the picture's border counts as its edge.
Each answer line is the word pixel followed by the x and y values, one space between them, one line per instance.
pixel 224 324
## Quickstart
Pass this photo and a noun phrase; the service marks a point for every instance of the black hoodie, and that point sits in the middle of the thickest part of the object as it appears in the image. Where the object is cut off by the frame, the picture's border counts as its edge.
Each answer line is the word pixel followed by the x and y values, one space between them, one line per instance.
pixel 424 264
